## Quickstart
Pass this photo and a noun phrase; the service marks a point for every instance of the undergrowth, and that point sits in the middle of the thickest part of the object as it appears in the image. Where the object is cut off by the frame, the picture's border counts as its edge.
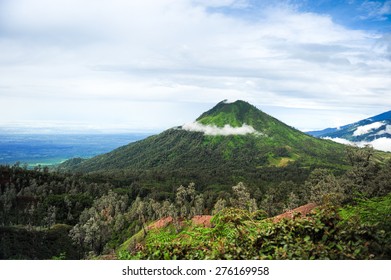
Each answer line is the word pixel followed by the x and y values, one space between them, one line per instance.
pixel 361 231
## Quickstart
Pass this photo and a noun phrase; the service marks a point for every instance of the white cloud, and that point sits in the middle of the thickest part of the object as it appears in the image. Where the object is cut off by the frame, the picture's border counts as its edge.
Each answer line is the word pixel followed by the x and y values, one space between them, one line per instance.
pixel 227 101
pixel 376 10
pixel 361 130
pixel 340 141
pixel 222 3
pixel 387 130
pixel 224 131
pixel 382 144
pixel 180 54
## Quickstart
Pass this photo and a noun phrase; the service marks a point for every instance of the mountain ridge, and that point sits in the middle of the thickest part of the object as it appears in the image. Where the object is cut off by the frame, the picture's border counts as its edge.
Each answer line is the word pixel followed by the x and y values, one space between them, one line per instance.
pixel 375 131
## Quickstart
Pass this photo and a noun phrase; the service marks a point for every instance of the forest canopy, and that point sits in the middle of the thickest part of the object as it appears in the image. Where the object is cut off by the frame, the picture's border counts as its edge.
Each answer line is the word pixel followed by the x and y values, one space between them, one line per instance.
pixel 84 215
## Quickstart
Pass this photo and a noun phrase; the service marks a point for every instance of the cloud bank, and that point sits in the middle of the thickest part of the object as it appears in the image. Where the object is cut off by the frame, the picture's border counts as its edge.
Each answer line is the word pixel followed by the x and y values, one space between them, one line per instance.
pixel 382 144
pixel 361 130
pixel 213 130
pixel 387 130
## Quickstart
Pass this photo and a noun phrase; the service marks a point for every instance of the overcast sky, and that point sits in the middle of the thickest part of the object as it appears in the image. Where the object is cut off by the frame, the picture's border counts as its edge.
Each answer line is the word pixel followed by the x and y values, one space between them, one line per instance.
pixel 120 65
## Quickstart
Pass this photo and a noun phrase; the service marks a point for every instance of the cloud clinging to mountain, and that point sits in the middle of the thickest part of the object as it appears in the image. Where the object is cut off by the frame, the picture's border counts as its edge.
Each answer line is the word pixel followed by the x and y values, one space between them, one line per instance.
pixel 224 131
pixel 382 144
pixel 364 129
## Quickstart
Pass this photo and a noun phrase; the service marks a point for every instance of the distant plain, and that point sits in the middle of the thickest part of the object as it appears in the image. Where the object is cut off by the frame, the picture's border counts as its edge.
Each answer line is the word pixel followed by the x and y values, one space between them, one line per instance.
pixel 51 149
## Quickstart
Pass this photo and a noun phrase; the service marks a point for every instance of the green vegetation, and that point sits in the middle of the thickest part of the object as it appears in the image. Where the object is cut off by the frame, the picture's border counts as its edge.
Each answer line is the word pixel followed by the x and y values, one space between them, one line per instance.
pixel 110 203
pixel 26 243
pixel 324 234
pixel 38 209
pixel 352 221
pixel 176 156
pixel 176 148
pixel 47 215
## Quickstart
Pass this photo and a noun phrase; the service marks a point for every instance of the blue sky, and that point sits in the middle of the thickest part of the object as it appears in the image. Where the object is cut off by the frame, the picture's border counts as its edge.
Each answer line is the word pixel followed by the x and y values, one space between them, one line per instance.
pixel 118 65
pixel 356 14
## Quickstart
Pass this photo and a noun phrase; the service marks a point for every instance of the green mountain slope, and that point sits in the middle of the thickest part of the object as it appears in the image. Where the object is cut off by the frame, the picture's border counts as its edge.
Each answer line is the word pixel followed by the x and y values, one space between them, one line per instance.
pixel 231 139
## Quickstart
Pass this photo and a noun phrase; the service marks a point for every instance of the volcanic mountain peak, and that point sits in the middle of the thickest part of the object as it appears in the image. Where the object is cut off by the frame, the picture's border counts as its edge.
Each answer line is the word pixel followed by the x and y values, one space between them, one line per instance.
pixel 235 114
pixel 225 119
pixel 235 118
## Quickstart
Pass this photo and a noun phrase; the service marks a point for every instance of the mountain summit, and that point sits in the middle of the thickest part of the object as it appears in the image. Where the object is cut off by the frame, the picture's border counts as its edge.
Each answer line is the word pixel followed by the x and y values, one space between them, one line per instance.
pixel 240 118
pixel 236 118
pixel 231 140
pixel 235 114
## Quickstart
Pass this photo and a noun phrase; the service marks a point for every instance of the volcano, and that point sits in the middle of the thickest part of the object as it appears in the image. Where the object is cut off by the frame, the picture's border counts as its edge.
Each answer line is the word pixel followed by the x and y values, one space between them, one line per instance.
pixel 231 138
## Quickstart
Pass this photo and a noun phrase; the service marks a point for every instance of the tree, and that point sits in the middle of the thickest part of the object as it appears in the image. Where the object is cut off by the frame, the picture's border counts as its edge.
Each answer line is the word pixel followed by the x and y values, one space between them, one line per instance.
pixel 198 205
pixel 68 204
pixel 382 182
pixel 242 199
pixel 292 202
pixel 324 188
pixel 164 210
pixel 268 204
pixel 220 204
pixel 360 179
pixel 157 211
pixel 77 234
pixel 98 223
pixel 7 200
pixel 187 202
pixel 50 218
pixel 140 211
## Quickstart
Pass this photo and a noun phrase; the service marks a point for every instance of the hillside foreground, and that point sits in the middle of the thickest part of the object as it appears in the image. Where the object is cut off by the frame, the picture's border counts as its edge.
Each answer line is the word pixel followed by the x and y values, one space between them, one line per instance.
pixel 307 232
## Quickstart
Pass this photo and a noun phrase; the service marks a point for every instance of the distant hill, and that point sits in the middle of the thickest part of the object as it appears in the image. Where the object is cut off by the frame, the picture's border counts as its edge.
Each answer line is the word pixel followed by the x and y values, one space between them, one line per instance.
pixel 231 140
pixel 375 131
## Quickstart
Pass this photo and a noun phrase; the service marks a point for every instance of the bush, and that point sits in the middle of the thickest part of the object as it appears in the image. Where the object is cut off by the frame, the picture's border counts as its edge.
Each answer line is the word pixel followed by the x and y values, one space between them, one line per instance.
pixel 362 231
